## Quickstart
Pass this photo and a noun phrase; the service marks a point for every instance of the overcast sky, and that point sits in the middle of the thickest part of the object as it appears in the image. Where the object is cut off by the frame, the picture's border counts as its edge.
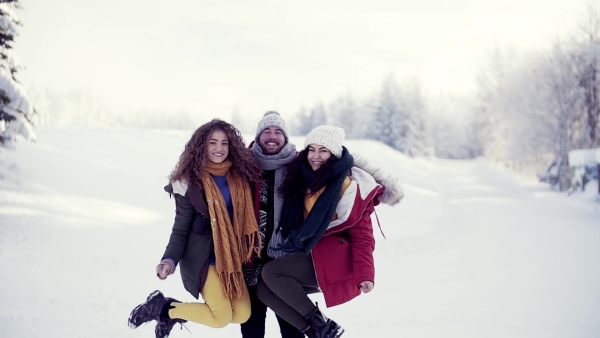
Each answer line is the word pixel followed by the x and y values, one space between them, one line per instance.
pixel 211 56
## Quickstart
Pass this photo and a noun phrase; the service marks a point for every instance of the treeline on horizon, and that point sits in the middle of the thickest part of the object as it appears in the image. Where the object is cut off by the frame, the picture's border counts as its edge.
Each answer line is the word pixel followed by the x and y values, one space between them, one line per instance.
pixel 528 109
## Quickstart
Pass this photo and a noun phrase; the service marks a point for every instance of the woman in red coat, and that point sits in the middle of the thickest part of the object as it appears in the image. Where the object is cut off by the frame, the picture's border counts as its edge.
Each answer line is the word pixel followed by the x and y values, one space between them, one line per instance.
pixel 324 241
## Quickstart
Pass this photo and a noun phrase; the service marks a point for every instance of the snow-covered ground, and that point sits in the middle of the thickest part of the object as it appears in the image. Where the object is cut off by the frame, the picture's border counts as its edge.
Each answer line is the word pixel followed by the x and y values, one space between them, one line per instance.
pixel 473 250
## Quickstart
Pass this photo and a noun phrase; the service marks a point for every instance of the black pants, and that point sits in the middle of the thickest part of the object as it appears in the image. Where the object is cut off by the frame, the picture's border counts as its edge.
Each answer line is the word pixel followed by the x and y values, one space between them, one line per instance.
pixel 286 283
pixel 255 326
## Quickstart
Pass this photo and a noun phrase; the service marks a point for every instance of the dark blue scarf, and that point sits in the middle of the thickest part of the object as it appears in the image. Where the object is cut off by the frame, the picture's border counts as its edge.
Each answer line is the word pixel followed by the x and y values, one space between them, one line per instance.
pixel 302 234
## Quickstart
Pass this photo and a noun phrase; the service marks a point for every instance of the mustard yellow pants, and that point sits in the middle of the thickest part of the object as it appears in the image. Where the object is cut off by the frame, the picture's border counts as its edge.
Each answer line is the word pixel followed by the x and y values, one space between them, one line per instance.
pixel 217 310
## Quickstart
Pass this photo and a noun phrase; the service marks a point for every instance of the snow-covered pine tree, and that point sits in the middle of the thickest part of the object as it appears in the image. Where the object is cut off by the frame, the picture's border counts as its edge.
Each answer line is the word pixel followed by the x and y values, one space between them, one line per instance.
pixel 416 139
pixel 345 113
pixel 318 115
pixel 16 112
pixel 387 124
pixel 299 123
pixel 304 121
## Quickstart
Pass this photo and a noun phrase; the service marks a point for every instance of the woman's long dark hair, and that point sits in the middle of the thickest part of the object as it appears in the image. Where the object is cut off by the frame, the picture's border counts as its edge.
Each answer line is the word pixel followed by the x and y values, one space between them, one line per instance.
pixel 294 186
pixel 194 156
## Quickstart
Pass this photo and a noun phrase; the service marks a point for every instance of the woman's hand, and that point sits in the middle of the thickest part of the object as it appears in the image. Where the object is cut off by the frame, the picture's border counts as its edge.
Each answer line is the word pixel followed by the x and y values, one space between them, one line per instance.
pixel 366 286
pixel 165 268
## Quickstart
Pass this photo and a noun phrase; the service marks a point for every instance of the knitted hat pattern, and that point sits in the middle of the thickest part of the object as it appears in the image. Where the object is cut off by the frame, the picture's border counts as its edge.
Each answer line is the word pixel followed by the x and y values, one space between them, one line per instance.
pixel 271 119
pixel 329 137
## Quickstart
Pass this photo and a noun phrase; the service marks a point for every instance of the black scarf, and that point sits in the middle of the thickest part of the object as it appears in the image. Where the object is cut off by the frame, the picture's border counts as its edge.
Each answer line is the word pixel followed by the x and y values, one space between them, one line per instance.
pixel 302 234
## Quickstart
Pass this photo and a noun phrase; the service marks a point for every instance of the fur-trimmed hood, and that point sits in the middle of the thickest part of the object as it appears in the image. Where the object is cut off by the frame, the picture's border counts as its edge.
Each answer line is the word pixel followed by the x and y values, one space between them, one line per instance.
pixel 392 189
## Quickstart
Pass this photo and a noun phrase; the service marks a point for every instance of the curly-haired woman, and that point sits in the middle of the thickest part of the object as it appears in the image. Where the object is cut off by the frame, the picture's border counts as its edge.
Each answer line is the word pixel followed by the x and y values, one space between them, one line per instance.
pixel 214 232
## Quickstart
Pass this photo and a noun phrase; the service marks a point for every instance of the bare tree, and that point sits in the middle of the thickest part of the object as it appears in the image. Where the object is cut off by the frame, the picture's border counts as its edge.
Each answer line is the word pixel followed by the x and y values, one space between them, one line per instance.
pixel 587 67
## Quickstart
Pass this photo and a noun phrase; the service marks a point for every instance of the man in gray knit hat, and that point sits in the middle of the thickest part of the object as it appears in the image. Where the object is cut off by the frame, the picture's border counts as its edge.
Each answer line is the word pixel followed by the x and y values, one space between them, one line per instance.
pixel 272 151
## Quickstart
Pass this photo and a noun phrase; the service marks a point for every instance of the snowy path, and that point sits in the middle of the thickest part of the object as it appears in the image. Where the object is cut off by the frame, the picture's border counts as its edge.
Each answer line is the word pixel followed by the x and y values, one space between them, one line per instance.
pixel 505 258
pixel 472 250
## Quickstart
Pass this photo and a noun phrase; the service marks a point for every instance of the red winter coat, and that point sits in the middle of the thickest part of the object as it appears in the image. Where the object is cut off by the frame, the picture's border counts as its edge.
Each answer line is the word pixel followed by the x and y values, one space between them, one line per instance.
pixel 343 257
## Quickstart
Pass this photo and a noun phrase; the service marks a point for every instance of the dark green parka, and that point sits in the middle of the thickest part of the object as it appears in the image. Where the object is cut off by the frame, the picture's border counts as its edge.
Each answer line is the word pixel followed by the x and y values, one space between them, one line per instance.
pixel 191 241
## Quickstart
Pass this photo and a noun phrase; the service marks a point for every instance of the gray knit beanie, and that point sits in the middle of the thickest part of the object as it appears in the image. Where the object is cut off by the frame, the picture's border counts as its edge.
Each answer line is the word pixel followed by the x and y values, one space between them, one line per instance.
pixel 271 119
pixel 329 137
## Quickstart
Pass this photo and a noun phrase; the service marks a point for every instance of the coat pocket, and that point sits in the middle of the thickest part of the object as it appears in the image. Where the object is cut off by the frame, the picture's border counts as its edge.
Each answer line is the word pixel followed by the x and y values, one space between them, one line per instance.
pixel 339 259
pixel 201 224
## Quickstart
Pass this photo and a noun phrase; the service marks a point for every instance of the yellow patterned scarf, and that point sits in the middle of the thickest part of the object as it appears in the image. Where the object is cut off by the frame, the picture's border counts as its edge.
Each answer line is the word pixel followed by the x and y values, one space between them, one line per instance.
pixel 234 241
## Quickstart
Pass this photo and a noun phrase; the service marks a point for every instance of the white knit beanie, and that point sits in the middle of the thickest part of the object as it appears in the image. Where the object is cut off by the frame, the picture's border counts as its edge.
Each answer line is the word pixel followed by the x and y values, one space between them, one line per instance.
pixel 329 137
pixel 271 119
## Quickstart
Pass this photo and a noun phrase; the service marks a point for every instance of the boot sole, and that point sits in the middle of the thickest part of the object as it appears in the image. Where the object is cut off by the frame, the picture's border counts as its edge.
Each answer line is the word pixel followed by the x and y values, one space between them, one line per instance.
pixel 339 333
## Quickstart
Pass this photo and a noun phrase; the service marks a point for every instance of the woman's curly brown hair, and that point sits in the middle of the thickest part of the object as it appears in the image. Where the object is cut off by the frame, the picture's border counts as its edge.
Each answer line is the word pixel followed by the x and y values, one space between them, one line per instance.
pixel 194 156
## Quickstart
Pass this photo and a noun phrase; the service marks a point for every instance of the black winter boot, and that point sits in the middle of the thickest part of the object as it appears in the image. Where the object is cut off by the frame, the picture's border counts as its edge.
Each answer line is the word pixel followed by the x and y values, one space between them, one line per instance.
pixel 310 332
pixel 321 326
pixel 165 323
pixel 145 312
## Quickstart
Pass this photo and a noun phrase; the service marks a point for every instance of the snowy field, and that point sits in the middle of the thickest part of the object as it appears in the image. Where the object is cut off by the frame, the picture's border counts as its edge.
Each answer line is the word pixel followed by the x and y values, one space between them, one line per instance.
pixel 472 251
